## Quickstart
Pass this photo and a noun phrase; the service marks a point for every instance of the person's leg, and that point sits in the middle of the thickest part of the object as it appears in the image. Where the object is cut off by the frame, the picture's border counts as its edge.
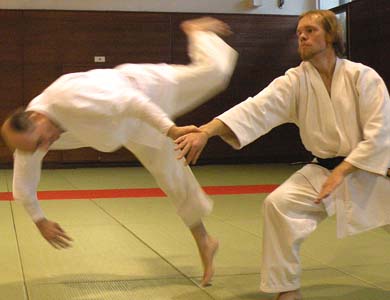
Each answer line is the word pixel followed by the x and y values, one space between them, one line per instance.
pixel 290 215
pixel 212 65
pixel 178 89
pixel 207 246
pixel 178 182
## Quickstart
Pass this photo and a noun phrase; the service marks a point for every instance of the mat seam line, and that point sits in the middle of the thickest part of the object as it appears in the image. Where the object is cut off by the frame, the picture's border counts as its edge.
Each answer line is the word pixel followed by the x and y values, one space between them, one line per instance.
pixel 19 254
pixel 154 251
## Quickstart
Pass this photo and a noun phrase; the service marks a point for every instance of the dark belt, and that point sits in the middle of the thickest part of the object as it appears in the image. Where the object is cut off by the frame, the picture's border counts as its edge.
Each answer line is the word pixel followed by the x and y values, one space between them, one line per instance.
pixel 330 163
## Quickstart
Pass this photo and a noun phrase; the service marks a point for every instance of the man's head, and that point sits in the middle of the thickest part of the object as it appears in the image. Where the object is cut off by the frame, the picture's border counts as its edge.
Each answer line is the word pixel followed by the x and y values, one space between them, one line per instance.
pixel 29 131
pixel 319 31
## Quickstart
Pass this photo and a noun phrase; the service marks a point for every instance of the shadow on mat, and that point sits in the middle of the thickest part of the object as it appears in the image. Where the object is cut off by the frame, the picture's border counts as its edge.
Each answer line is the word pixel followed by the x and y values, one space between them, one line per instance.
pixel 114 287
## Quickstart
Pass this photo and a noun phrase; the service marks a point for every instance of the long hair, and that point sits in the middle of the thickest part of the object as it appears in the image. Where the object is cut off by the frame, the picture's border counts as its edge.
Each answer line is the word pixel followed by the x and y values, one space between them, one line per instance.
pixel 332 26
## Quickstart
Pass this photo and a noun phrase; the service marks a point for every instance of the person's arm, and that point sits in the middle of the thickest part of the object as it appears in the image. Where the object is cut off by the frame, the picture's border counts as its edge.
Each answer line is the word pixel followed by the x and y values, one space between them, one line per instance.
pixel 192 144
pixel 335 178
pixel 27 172
pixel 372 153
pixel 246 121
pixel 142 108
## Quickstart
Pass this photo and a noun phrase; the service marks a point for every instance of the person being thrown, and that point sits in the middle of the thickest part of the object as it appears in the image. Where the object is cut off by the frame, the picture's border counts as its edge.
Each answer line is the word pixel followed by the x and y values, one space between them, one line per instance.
pixel 131 105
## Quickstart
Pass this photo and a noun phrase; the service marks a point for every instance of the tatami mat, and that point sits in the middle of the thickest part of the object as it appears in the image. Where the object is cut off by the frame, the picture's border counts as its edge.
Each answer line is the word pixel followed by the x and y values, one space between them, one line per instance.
pixel 138 248
pixel 11 275
pixel 178 289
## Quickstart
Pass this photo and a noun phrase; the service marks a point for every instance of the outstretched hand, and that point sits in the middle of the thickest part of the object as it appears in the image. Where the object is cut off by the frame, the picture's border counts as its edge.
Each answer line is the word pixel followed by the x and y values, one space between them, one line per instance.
pixel 191 145
pixel 54 234
pixel 177 131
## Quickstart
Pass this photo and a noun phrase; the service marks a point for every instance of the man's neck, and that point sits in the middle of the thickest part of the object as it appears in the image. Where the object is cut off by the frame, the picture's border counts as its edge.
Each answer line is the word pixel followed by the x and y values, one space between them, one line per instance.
pixel 325 63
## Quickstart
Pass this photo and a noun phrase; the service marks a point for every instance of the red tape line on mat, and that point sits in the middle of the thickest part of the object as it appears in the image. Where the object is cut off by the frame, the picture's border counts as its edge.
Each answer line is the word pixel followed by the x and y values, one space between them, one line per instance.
pixel 144 192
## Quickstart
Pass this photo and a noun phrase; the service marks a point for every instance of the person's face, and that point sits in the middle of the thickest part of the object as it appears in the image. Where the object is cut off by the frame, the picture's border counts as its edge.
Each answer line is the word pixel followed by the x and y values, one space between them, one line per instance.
pixel 40 137
pixel 312 38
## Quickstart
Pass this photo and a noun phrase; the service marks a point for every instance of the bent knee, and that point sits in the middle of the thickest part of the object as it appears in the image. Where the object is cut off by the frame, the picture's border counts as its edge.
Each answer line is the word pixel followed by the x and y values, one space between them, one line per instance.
pixel 280 199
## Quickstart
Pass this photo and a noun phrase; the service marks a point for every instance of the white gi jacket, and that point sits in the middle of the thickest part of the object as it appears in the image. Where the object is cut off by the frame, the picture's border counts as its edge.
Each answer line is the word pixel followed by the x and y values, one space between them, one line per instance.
pixel 107 108
pixel 354 121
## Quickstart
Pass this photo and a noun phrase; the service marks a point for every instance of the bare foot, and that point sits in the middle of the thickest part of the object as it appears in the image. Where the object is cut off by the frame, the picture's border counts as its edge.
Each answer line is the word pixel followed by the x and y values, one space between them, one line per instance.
pixel 290 295
pixel 207 254
pixel 206 24
pixel 207 247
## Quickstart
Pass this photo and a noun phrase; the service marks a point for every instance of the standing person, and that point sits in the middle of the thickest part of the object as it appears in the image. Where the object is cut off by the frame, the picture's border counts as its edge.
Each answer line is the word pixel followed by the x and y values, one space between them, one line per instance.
pixel 131 106
pixel 342 109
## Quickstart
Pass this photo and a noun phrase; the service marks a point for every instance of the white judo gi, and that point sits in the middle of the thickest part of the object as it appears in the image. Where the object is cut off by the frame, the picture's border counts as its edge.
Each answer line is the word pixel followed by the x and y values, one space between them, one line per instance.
pixel 131 106
pixel 352 122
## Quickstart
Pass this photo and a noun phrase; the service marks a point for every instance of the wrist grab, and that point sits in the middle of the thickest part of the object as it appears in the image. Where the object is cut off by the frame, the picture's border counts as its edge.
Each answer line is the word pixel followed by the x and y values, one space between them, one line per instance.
pixel 206 133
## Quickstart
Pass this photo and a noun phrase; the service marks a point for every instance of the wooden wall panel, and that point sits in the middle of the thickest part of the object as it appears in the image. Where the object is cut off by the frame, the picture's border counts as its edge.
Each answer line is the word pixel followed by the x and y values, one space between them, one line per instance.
pixel 121 155
pixel 42 57
pixel 11 37
pixel 54 156
pixel 369 32
pixel 11 86
pixel 382 14
pixel 80 155
pixel 51 43
pixel 42 37
pixel 11 69
pixel 120 37
pixel 36 77
pixel 5 154
pixel 267 48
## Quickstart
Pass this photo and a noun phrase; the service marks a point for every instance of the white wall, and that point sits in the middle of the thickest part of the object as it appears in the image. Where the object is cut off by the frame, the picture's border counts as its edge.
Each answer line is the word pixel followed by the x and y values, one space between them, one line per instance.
pixel 326 4
pixel 291 7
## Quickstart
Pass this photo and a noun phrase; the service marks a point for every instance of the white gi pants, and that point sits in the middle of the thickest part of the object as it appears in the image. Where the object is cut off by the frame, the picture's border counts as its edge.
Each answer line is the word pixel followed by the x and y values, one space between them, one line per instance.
pixel 191 84
pixel 175 179
pixel 290 216
pixel 177 89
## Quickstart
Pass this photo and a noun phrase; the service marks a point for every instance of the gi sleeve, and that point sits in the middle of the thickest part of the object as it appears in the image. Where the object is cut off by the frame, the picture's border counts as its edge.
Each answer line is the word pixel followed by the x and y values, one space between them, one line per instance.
pixel 27 173
pixel 373 152
pixel 257 115
pixel 140 107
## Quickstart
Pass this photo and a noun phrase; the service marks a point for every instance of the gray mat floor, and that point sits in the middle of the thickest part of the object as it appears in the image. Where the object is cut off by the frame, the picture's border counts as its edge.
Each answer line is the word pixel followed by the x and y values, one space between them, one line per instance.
pixel 137 248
